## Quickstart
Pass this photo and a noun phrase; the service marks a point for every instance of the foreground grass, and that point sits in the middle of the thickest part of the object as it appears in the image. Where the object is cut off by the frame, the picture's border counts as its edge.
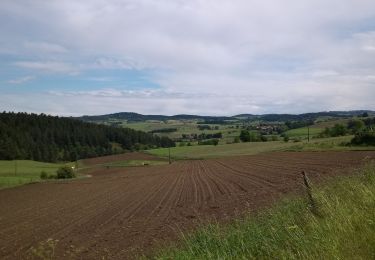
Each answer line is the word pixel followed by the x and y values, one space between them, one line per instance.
pixel 342 227
pixel 19 172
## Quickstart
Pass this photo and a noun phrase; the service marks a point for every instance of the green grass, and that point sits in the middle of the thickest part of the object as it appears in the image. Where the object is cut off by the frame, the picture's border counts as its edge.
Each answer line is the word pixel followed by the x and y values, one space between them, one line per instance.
pixel 328 144
pixel 331 122
pixel 343 229
pixel 302 132
pixel 133 163
pixel 209 151
pixel 183 127
pixel 14 173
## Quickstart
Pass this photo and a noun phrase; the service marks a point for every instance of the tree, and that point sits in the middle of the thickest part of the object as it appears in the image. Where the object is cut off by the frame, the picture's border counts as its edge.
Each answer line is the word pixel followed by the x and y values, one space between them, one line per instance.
pixel 338 130
pixel 48 138
pixel 365 114
pixel 245 136
pixel 356 125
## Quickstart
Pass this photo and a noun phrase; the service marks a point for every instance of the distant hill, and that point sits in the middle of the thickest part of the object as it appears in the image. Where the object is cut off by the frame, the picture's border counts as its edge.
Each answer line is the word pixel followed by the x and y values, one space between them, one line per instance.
pixel 135 117
pixel 49 138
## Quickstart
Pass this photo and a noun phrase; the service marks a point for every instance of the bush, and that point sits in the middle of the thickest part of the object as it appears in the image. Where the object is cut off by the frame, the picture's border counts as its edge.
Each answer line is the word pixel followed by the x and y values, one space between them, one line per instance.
pixel 245 136
pixel 65 173
pixel 43 175
pixel 286 138
pixel 364 138
pixel 356 126
pixel 209 142
pixel 336 130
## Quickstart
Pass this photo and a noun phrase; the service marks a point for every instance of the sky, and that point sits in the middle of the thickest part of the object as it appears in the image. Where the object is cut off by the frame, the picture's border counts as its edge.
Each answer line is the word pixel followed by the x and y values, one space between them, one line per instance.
pixel 207 57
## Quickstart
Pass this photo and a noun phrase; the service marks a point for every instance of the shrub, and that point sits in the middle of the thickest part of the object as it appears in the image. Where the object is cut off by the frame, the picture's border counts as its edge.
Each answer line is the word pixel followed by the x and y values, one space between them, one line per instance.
pixel 286 138
pixel 209 142
pixel 245 136
pixel 336 130
pixel 356 126
pixel 364 138
pixel 43 175
pixel 65 172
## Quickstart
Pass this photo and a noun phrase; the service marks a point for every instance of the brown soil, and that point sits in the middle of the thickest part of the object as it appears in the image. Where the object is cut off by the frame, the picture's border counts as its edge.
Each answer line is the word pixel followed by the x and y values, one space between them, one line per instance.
pixel 124 211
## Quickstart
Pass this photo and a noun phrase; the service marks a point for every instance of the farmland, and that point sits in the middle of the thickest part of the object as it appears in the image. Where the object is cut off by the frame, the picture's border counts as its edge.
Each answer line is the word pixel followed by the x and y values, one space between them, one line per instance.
pixel 193 130
pixel 120 212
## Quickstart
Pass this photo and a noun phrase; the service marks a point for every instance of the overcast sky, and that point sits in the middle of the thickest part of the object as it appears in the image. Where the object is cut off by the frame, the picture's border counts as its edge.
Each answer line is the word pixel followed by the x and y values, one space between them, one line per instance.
pixel 211 57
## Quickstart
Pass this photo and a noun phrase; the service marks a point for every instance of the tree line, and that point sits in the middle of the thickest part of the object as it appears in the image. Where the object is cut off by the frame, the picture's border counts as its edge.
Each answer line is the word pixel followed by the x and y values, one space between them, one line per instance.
pixel 50 139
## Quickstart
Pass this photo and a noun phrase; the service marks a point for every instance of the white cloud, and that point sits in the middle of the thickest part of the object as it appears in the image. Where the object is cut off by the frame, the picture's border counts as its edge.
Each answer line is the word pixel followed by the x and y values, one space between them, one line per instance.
pixel 111 63
pixel 44 47
pixel 21 80
pixel 48 66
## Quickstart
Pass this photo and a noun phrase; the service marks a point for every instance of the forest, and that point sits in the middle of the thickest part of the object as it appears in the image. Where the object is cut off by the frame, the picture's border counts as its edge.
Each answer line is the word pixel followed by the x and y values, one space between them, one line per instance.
pixel 50 139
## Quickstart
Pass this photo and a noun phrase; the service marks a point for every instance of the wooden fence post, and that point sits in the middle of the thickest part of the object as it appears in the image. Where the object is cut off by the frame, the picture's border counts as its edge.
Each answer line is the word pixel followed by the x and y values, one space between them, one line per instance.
pixel 307 183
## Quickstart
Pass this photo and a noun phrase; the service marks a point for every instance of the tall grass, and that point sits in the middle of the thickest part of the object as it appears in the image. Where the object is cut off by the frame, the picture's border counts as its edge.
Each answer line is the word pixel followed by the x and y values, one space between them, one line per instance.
pixel 344 229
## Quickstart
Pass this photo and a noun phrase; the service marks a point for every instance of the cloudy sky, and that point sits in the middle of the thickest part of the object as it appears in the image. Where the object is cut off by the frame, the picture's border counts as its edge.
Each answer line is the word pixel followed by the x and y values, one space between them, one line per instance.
pixel 212 57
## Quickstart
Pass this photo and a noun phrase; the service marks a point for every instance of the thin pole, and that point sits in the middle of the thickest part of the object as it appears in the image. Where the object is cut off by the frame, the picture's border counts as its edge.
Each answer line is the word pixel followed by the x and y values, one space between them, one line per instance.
pixel 308 134
pixel 169 152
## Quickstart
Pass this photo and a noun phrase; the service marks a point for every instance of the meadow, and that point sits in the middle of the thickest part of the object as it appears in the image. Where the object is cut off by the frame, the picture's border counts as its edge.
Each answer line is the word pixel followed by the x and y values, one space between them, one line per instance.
pixel 132 163
pixel 303 132
pixel 186 127
pixel 250 148
pixel 19 172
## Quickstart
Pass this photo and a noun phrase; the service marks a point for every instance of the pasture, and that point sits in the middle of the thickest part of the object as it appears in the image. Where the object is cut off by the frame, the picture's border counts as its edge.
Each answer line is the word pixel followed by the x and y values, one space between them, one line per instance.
pixel 250 148
pixel 303 132
pixel 19 172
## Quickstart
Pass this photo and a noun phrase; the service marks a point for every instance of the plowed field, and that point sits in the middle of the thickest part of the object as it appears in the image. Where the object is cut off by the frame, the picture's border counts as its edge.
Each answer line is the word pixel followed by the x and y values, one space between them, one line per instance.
pixel 119 212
